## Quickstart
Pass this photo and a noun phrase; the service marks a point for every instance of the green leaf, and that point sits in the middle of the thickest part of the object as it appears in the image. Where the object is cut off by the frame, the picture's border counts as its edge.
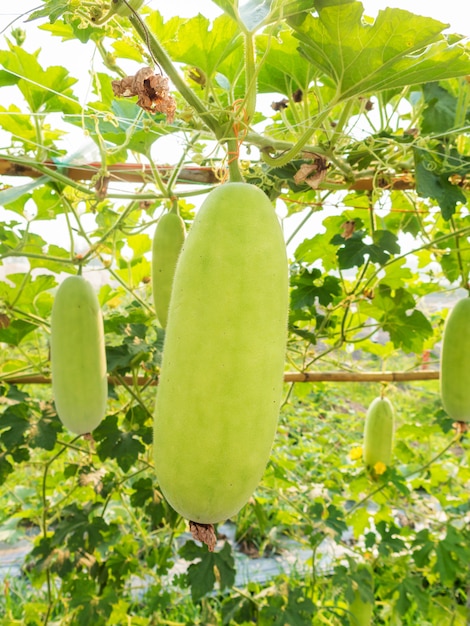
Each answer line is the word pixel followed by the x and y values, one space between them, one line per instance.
pixel 390 540
pixel 14 422
pixel 282 70
pixel 439 114
pixel 204 45
pixel 397 50
pixel 397 274
pixel 44 433
pixel 73 30
pixel 47 90
pixel 395 309
pixel 144 490
pixel 140 244
pixel 432 181
pixel 230 7
pixel 424 547
pixel 335 520
pixel 79 528
pixel 7 79
pixel 318 247
pixel 411 591
pixel 297 611
pixel 354 250
pixel 307 289
pixel 119 121
pixel 113 443
pixel 6 467
pixel 452 555
pixel 14 334
pixel 19 125
pixel 201 575
pixel 53 10
pixel 253 13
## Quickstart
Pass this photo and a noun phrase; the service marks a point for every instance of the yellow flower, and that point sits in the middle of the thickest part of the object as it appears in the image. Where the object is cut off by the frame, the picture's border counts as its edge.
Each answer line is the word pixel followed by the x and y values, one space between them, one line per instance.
pixel 379 468
pixel 356 453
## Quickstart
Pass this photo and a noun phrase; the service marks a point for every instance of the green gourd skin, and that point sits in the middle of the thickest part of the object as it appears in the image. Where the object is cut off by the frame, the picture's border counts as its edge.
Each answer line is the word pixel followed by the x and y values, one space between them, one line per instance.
pixel 221 380
pixel 78 358
pixel 167 242
pixel 378 433
pixel 455 362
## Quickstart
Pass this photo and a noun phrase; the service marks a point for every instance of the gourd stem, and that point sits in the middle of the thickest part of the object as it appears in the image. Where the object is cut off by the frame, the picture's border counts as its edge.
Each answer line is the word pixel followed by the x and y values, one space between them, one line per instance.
pixel 250 77
pixel 463 275
pixel 235 175
pixel 175 207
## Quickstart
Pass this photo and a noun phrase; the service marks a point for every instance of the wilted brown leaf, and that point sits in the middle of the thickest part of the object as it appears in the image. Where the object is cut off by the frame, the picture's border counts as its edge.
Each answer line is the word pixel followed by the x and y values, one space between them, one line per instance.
pixel 152 91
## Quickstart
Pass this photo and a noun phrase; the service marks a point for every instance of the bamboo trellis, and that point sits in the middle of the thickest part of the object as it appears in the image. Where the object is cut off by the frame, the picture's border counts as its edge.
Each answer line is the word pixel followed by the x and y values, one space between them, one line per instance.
pixel 289 377
pixel 139 173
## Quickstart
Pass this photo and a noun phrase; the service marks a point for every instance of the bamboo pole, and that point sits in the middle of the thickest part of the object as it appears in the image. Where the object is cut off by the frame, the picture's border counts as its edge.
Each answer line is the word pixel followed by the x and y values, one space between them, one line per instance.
pixel 118 173
pixel 363 377
pixel 138 173
pixel 290 377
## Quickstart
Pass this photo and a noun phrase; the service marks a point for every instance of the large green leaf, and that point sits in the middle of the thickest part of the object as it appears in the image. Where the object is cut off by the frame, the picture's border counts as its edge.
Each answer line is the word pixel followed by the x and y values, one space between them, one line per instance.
pixel 282 70
pixel 432 181
pixel 398 49
pixel 199 43
pixel 13 193
pixel 44 90
pixel 254 12
pixel 19 125
pixel 201 573
pixel 440 111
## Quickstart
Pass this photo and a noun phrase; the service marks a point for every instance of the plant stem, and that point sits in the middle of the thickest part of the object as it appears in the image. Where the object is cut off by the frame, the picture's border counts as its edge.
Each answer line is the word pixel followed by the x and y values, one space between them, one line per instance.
pixel 463 275
pixel 235 174
pixel 250 76
pixel 301 143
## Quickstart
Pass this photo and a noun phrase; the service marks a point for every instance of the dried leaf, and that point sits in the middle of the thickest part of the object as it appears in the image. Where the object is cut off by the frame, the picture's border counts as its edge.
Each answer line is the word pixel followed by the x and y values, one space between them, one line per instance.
pixel 152 91
pixel 348 229
pixel 313 173
pixel 280 104
pixel 4 320
pixel 101 187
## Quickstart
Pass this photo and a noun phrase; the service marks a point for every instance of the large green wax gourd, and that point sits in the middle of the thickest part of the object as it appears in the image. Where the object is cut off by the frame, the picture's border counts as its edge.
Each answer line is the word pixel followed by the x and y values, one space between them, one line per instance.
pixel 221 379
pixel 455 362
pixel 78 358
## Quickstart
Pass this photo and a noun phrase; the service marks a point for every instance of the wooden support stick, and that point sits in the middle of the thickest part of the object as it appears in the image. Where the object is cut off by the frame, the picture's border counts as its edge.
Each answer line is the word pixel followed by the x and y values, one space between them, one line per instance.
pixel 290 377
pixel 138 173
